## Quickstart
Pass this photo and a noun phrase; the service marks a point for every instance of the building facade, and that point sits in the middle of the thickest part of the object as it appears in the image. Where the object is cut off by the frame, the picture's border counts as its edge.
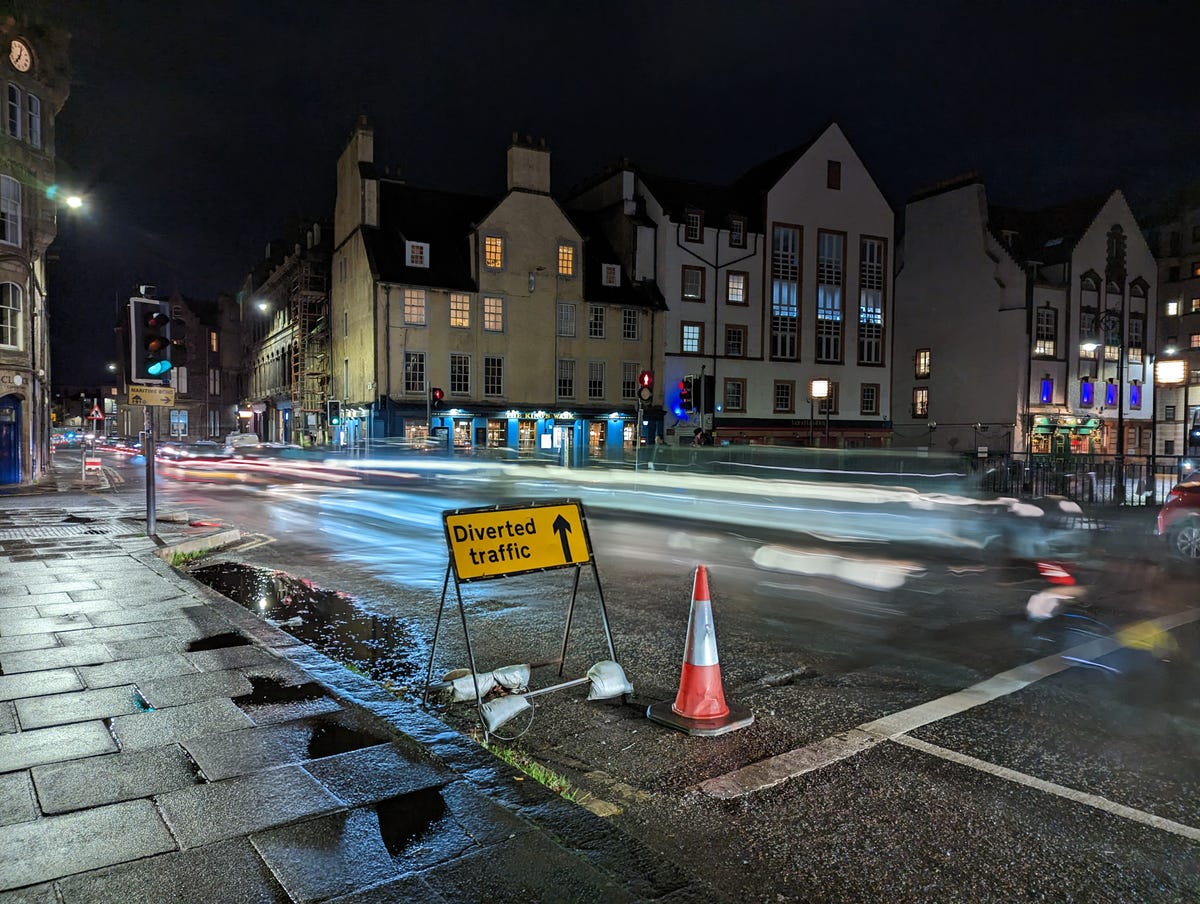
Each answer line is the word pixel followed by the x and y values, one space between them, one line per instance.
pixel 284 306
pixel 778 280
pixel 494 323
pixel 36 83
pixel 1177 246
pixel 1023 331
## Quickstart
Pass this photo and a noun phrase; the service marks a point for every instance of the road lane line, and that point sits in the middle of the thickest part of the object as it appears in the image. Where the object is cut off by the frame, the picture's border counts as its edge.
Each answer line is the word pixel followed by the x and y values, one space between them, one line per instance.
pixel 774 770
pixel 1081 797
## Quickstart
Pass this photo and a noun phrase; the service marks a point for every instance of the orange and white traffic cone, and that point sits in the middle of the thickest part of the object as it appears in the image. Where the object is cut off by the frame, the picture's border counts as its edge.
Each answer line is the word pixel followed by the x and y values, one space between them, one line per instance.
pixel 700 707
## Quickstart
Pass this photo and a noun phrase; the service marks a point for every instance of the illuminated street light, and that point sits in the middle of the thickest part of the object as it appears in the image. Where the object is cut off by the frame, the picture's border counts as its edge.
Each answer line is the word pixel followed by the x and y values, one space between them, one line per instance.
pixel 817 389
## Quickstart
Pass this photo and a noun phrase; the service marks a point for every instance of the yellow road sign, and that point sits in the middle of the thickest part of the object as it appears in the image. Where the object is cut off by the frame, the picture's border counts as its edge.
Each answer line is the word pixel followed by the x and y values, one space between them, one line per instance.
pixel 499 541
pixel 151 395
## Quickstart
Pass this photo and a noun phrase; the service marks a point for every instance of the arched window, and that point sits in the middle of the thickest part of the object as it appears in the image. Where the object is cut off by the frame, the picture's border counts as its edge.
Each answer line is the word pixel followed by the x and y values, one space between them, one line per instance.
pixel 12 319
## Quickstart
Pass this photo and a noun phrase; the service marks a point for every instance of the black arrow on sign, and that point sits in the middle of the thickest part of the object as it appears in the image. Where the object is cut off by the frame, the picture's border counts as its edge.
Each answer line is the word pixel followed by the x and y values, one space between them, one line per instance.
pixel 562 527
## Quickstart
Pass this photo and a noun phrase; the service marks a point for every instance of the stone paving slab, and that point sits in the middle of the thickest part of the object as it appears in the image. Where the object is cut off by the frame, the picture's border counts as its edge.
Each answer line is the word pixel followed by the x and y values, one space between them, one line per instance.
pixel 59 657
pixel 15 613
pixel 144 647
pixel 178 723
pixel 17 803
pixel 42 599
pixel 78 706
pixel 28 642
pixel 37 684
pixel 199 876
pixel 8 717
pixel 57 846
pixel 112 634
pixel 405 890
pixel 375 773
pixel 45 625
pixel 54 745
pixel 110 779
pixel 330 855
pixel 237 806
pixel 136 615
pixel 230 658
pixel 32 894
pixel 103 604
pixel 56 586
pixel 135 671
pixel 239 752
pixel 195 687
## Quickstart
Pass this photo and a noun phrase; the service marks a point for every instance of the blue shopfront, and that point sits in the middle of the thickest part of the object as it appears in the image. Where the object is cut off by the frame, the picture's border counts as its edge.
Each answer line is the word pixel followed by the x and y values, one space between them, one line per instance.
pixel 564 437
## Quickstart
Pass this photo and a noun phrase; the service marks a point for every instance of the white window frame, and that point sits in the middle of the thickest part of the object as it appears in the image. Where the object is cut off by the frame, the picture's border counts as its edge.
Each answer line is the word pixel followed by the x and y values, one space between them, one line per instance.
pixel 597 321
pixel 460 374
pixel 568 257
pixel 629 376
pixel 416 372
pixel 460 310
pixel 33 107
pixel 565 321
pixel 564 383
pixel 12 316
pixel 493 314
pixel 10 211
pixel 493 252
pixel 416 254
pixel 631 325
pixel 416 304
pixel 493 375
pixel 595 380
pixel 610 275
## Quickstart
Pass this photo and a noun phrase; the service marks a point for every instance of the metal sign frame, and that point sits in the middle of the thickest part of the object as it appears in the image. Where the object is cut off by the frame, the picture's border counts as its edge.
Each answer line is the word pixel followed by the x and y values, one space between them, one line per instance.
pixel 452 571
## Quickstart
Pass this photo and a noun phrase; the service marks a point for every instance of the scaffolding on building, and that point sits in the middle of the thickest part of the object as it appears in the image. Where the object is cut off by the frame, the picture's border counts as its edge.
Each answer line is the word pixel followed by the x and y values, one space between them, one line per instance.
pixel 309 305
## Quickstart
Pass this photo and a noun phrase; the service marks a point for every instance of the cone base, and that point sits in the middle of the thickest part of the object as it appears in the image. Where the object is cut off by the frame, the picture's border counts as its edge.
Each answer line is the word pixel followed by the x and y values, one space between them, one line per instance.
pixel 663 714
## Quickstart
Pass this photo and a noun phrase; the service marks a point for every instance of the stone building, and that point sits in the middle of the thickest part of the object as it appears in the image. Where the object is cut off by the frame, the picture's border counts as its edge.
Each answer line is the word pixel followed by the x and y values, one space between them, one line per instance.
pixel 35 79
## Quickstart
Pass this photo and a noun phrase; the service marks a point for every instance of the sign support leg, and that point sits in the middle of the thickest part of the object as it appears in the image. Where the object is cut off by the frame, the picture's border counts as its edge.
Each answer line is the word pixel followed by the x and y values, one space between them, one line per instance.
pixel 612 653
pixel 148 451
pixel 433 646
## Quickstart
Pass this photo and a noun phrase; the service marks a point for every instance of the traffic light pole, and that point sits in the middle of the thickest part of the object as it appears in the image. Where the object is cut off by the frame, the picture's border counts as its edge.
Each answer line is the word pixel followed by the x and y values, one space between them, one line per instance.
pixel 148 451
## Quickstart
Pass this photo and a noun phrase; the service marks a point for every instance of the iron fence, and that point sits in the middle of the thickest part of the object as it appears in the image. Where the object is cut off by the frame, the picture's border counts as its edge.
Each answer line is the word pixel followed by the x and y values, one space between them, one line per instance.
pixel 1090 479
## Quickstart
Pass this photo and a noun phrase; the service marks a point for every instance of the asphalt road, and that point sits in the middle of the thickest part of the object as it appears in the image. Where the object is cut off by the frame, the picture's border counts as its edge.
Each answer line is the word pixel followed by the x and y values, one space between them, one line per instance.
pixel 1077 779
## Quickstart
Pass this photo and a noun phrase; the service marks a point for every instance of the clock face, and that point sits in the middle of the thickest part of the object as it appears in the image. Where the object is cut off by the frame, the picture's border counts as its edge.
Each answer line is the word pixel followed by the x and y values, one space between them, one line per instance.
pixel 20 56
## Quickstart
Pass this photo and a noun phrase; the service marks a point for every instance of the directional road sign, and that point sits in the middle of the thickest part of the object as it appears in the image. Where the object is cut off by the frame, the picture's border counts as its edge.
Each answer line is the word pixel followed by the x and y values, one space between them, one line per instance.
pixel 151 395
pixel 499 541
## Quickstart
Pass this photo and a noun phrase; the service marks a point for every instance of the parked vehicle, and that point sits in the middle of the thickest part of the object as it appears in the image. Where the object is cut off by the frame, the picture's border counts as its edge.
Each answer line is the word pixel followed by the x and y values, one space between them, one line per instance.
pixel 1179 519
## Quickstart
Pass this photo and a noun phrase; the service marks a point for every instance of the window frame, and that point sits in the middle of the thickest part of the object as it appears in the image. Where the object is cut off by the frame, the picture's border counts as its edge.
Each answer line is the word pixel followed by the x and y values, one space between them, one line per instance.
pixel 693 217
pixel 566 320
pixel 829 343
pixel 740 330
pixel 1045 332
pixel 489 317
pixel 597 379
pixel 833 175
pixel 922 363
pixel 744 275
pixel 863 407
pixel 786 271
pixel 597 321
pixel 565 379
pixel 412 362
pixel 630 318
pixel 684 326
pixel 493 252
pixel 459 379
pixel 10 211
pixel 459 309
pixel 740 384
pixel 416 306
pixel 33 120
pixel 872 336
pixel 568 255
pixel 12 320
pixel 685 270
pixel 789 404
pixel 610 275
pixel 920 402
pixel 14 112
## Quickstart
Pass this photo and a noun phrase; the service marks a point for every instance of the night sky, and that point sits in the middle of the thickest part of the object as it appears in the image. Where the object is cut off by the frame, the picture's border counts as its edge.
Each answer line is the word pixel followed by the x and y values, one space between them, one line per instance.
pixel 196 129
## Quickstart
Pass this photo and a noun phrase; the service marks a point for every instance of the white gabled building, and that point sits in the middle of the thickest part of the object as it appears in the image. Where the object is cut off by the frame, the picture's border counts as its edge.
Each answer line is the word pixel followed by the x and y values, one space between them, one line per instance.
pixel 770 283
pixel 1012 326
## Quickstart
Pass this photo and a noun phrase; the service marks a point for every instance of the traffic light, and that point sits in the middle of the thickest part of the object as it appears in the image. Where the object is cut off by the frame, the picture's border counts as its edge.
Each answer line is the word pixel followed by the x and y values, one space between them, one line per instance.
pixel 685 393
pixel 645 386
pixel 435 398
pixel 333 412
pixel 149 341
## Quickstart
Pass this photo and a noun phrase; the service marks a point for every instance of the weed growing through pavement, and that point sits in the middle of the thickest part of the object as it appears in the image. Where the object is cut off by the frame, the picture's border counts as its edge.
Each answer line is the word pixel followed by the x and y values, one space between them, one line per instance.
pixel 519 759
pixel 182 559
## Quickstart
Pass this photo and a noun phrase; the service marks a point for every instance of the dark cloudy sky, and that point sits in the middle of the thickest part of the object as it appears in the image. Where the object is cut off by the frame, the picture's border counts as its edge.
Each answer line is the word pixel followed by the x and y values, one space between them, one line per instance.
pixel 195 129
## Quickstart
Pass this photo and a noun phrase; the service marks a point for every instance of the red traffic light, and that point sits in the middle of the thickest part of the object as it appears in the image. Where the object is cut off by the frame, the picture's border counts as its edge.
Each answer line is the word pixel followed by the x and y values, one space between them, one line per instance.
pixel 646 378
pixel 436 394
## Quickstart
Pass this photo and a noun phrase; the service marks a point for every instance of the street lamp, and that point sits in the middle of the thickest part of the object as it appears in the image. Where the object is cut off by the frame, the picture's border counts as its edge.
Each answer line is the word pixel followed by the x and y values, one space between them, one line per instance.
pixel 1167 372
pixel 1113 322
pixel 817 389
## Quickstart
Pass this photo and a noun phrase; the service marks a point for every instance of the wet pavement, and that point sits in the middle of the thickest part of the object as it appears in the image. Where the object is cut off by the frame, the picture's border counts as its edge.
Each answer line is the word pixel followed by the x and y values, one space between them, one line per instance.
pixel 160 742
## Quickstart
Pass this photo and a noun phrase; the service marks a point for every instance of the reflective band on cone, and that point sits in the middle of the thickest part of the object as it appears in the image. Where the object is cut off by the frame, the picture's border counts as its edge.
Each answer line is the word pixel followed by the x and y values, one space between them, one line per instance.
pixel 700 707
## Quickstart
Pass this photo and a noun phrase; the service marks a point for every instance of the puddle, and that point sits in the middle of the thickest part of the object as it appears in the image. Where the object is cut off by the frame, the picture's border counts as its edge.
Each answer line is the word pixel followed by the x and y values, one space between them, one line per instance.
pixel 330 738
pixel 218 642
pixel 378 646
pixel 406 819
pixel 268 691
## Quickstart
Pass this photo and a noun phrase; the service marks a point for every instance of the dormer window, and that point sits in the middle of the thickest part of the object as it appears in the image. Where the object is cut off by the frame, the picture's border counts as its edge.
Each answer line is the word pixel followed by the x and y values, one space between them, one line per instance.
pixel 417 254
pixel 693 229
pixel 493 252
pixel 737 232
pixel 610 275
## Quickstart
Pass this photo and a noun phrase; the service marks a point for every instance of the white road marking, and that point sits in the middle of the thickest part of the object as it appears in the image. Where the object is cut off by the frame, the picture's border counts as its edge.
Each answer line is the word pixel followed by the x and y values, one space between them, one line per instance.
pixel 777 769
pixel 1081 797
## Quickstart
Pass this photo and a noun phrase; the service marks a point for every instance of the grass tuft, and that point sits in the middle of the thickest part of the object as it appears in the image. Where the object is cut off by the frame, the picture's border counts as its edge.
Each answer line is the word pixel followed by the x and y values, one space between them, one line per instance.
pixel 519 759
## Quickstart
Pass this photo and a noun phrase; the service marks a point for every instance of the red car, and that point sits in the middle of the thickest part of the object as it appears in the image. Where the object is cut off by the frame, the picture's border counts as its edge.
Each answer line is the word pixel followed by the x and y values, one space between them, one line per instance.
pixel 1179 519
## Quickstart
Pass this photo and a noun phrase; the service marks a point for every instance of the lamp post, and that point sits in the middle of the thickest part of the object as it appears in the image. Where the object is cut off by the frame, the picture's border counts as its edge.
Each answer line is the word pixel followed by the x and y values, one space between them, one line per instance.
pixel 817 389
pixel 1167 372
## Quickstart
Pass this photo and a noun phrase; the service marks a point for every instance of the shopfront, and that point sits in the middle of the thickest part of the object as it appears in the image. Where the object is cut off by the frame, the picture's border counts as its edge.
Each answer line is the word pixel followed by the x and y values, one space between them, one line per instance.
pixel 1066 435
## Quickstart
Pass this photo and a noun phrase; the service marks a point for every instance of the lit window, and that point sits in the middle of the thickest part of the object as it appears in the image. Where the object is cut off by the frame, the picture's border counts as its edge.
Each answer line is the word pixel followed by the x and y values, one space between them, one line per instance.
pixel 1195 305
pixel 418 254
pixel 735 287
pixel 214 341
pixel 1046 395
pixel 694 226
pixel 693 283
pixel 691 338
pixel 11 316
pixel 493 314
pixel 566 259
pixel 920 401
pixel 460 309
pixel 414 307
pixel 1087 393
pixel 1172 308
pixel 493 252
pixel 922 363
pixel 1135 395
pixel 830 282
pixel 872 254
pixel 1110 394
pixel 1194 340
pixel 785 292
pixel 610 275
pixel 1045 341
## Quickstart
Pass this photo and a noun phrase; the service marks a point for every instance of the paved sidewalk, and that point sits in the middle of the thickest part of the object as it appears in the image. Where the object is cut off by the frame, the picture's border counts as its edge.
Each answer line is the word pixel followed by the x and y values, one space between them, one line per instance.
pixel 160 743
